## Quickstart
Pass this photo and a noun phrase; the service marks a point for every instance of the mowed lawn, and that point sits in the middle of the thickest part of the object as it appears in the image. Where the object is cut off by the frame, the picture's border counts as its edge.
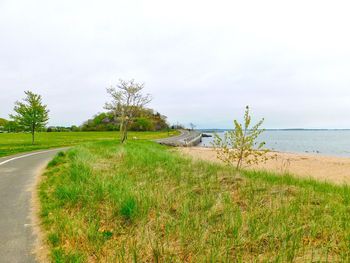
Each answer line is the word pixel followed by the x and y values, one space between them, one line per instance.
pixel 143 202
pixel 12 143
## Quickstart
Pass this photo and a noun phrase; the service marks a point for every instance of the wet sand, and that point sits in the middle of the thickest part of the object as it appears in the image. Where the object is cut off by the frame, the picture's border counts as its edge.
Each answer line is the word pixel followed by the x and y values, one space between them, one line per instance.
pixel 323 168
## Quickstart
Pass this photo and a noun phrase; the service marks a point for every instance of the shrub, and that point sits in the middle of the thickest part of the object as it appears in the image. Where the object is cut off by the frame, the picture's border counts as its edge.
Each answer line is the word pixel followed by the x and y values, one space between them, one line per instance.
pixel 240 145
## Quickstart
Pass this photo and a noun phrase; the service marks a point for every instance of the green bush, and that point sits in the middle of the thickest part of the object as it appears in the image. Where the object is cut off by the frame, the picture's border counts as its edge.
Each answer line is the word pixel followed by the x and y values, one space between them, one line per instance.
pixel 142 124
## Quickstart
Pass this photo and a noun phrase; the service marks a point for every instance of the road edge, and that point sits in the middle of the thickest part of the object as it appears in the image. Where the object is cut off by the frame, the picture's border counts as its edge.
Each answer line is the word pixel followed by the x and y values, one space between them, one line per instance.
pixel 40 249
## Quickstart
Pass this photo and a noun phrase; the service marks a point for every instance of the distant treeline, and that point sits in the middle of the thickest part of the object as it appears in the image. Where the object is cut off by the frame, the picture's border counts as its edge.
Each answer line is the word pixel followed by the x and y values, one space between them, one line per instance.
pixel 12 126
pixel 9 126
pixel 144 120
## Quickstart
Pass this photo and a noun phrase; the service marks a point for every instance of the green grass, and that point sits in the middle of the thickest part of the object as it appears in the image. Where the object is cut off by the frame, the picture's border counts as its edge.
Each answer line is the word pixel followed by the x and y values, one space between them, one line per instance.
pixel 12 143
pixel 106 202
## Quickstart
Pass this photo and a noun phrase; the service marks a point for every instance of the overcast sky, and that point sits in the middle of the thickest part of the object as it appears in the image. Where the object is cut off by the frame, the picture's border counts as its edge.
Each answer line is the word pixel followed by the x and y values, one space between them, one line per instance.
pixel 202 61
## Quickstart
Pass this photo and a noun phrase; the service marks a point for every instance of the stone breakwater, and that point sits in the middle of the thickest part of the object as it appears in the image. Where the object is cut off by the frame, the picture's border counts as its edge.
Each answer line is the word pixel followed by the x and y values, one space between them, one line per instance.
pixel 185 139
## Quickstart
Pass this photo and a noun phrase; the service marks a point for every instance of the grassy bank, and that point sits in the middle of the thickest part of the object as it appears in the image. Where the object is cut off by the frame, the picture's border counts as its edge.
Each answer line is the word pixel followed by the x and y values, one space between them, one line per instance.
pixel 12 143
pixel 104 202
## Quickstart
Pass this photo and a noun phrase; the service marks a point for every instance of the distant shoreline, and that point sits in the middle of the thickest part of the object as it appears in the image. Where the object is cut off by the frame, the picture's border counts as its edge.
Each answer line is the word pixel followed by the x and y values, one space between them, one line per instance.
pixel 318 142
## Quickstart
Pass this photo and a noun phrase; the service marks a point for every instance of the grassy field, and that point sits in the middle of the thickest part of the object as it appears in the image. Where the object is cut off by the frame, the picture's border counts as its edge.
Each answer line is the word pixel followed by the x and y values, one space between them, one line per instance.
pixel 12 143
pixel 142 202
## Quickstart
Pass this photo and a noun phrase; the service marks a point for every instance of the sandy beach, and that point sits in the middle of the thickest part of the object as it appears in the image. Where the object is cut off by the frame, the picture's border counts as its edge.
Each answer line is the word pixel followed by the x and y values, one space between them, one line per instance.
pixel 323 168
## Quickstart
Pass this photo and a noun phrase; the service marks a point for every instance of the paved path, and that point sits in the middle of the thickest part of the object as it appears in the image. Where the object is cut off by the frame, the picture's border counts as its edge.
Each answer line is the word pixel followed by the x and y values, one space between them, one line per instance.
pixel 17 178
pixel 184 139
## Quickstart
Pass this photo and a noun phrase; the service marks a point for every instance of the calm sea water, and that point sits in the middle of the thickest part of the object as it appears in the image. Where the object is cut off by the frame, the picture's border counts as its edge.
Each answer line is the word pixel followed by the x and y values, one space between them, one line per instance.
pixel 323 142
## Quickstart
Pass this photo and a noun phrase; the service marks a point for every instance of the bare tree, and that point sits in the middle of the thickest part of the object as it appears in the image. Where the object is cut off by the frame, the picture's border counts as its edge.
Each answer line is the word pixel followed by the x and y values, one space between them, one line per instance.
pixel 127 100
pixel 192 126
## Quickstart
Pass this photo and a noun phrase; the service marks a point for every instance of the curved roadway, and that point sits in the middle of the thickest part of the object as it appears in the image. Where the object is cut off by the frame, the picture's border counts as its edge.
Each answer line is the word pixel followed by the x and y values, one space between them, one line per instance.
pixel 174 139
pixel 180 140
pixel 17 179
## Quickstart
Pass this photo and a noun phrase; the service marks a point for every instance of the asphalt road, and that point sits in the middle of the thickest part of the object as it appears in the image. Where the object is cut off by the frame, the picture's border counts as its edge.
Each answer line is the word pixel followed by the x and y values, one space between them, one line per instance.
pixel 17 179
pixel 180 140
pixel 183 134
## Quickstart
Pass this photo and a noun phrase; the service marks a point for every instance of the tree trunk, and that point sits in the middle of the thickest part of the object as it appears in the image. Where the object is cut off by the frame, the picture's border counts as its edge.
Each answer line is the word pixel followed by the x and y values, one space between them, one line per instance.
pixel 123 131
pixel 241 151
pixel 126 130
pixel 33 135
pixel 123 136
pixel 238 167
